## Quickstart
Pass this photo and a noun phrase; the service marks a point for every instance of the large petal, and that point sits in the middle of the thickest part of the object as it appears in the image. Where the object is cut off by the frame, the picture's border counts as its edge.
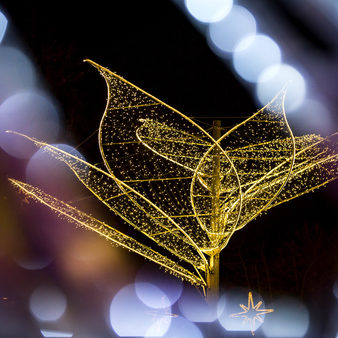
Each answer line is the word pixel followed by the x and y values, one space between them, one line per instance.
pixel 132 206
pixel 155 148
pixel 118 238
pixel 258 148
pixel 316 164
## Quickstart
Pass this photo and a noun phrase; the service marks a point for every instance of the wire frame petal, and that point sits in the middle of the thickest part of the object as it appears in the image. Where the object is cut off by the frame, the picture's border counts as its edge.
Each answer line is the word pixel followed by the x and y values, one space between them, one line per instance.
pixel 133 207
pixel 116 237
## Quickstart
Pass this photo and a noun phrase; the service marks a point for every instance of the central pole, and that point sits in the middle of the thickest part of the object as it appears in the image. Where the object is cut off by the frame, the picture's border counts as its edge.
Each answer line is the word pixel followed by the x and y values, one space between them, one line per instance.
pixel 213 273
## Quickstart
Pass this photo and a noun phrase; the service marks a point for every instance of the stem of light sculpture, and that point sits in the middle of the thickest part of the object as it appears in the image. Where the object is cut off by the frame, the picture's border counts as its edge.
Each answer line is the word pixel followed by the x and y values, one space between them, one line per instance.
pixel 213 273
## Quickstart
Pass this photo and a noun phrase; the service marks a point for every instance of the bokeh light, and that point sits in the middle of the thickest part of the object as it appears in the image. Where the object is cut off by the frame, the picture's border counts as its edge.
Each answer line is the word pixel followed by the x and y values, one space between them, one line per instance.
pixel 183 328
pixel 151 295
pixel 290 319
pixel 274 78
pixel 47 303
pixel 131 317
pixel 50 174
pixel 56 334
pixel 34 263
pixel 3 25
pixel 208 10
pixel 17 72
pixel 229 304
pixel 194 307
pixel 313 116
pixel 253 54
pixel 223 36
pixel 29 112
pixel 171 286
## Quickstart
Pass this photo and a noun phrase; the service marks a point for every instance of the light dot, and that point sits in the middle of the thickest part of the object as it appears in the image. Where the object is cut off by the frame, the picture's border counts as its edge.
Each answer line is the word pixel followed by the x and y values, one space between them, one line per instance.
pixel 131 317
pixel 227 33
pixel 208 10
pixel 274 78
pixel 290 319
pixel 29 112
pixel 253 54
pixel 17 72
pixel 3 25
pixel 47 303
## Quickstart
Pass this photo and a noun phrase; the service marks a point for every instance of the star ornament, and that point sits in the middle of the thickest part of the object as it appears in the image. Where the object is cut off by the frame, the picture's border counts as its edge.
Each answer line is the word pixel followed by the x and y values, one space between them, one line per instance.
pixel 252 313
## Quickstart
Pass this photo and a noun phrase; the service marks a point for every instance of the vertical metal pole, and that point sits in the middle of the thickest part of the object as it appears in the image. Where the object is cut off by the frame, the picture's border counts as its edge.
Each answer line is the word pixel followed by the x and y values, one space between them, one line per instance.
pixel 213 274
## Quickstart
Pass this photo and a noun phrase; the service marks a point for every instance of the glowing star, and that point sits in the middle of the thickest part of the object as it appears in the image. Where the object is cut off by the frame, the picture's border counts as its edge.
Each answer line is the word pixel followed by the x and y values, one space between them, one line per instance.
pixel 252 313
pixel 184 188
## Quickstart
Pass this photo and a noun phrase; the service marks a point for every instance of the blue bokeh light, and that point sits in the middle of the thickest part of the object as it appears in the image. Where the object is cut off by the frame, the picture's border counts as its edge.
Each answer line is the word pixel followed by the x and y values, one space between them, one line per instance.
pixel 3 25
pixel 29 112
pixel 17 72
pixel 171 286
pixel 208 10
pixel 253 54
pixel 47 303
pixel 131 317
pixel 290 319
pixel 274 78
pixel 194 307
pixel 223 36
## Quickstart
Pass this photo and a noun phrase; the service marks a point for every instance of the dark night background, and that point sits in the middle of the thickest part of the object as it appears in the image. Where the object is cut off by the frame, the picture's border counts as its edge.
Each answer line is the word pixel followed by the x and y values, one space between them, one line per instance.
pixel 292 250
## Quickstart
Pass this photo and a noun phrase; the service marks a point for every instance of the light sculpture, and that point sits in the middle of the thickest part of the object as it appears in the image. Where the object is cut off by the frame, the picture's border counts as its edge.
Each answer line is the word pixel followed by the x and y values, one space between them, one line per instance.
pixel 185 189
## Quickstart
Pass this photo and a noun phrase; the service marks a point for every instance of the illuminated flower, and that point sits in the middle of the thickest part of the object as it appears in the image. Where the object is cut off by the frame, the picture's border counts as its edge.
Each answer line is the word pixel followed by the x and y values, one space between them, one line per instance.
pixel 186 189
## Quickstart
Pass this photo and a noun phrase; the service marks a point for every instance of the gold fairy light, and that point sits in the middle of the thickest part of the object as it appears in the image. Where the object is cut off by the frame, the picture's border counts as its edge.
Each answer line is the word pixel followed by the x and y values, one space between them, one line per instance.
pixel 185 189
pixel 252 312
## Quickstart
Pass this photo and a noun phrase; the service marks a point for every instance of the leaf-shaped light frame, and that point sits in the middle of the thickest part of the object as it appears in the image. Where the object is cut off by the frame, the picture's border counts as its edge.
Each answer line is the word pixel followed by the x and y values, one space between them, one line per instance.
pixel 183 188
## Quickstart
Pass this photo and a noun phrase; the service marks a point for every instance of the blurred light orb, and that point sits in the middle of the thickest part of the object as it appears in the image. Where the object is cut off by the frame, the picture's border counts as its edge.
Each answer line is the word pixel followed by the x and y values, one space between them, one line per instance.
pixel 208 10
pixel 253 54
pixel 313 116
pixel 131 317
pixel 151 295
pixel 56 334
pixel 3 25
pixel 17 72
pixel 183 328
pixel 194 307
pixel 227 33
pixel 34 263
pixel 290 319
pixel 31 113
pixel 172 287
pixel 47 303
pixel 49 173
pixel 229 304
pixel 274 78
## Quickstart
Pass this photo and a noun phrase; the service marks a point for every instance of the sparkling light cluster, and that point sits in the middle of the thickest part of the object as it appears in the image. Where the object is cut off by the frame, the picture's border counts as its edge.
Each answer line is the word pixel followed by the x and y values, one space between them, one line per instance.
pixel 171 180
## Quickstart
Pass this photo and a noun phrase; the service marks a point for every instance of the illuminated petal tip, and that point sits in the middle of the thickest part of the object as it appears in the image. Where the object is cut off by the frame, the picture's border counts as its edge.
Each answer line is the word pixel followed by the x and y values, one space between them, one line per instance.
pixel 96 65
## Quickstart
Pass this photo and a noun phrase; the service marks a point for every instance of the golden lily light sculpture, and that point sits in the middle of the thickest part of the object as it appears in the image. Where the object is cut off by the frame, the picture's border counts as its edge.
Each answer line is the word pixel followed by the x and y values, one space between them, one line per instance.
pixel 185 189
